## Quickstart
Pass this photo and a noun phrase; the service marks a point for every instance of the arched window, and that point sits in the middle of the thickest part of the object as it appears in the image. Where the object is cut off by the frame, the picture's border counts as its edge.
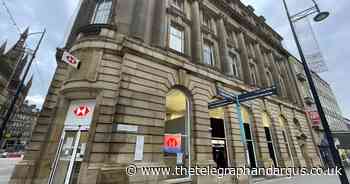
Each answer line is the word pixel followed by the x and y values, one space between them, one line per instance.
pixel 282 86
pixel 177 125
pixel 102 12
pixel 266 120
pixel 247 120
pixel 235 64
pixel 269 78
pixel 253 74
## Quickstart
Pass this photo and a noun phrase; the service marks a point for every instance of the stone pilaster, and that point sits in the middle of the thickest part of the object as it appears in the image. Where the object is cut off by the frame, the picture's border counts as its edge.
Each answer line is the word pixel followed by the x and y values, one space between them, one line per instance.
pixel 226 63
pixel 244 58
pixel 139 19
pixel 275 72
pixel 196 33
pixel 261 65
pixel 159 24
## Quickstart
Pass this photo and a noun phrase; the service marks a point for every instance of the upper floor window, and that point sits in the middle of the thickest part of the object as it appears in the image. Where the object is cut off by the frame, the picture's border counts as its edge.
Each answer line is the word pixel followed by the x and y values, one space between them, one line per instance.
pixel 179 4
pixel 177 38
pixel 102 12
pixel 282 86
pixel 253 74
pixel 235 65
pixel 269 78
pixel 207 21
pixel 208 53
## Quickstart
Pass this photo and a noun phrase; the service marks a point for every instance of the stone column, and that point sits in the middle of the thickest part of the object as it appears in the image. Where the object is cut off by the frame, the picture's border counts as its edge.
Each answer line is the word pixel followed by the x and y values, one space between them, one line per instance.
pixel 244 58
pixel 261 67
pixel 226 63
pixel 196 33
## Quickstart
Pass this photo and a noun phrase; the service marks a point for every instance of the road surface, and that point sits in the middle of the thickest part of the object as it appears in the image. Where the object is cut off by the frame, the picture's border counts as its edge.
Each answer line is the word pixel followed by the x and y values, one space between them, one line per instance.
pixel 6 167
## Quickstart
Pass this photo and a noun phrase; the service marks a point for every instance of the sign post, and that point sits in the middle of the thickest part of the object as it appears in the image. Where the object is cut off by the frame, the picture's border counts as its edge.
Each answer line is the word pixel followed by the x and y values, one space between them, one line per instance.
pixel 230 98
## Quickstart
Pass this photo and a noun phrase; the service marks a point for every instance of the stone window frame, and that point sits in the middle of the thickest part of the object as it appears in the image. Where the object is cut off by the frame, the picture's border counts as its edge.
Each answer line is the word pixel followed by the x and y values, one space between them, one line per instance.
pixel 254 79
pixel 97 5
pixel 269 77
pixel 211 16
pixel 178 4
pixel 183 36
pixel 211 44
pixel 181 23
pixel 233 51
pixel 282 86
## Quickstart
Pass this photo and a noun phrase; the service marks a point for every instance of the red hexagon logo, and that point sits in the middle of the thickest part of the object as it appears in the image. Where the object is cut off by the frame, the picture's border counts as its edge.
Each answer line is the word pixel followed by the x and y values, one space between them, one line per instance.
pixel 81 111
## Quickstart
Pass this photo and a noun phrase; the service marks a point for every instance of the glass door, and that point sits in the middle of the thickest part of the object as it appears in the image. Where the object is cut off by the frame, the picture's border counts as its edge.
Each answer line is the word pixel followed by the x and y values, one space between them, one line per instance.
pixel 70 155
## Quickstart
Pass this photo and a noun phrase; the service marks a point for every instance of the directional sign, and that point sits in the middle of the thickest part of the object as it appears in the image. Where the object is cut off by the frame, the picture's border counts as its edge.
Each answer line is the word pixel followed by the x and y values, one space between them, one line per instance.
pixel 257 94
pixel 232 98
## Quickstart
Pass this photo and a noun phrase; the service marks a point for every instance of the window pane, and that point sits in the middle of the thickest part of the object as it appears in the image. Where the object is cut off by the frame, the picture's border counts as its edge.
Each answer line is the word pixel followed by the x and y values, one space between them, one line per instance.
pixel 208 54
pixel 102 12
pixel 267 133
pixel 176 41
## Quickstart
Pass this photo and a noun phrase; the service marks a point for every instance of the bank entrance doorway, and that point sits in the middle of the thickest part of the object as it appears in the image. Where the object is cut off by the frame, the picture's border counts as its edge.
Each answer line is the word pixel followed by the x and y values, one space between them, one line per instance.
pixel 70 154
pixel 71 148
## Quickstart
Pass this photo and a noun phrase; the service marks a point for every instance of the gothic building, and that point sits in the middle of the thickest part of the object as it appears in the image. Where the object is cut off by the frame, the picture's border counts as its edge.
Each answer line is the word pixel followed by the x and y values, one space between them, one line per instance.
pixel 148 70
pixel 12 65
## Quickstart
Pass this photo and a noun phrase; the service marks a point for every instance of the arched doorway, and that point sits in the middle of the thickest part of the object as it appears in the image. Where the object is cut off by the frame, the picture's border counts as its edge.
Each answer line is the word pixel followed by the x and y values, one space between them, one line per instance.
pixel 177 126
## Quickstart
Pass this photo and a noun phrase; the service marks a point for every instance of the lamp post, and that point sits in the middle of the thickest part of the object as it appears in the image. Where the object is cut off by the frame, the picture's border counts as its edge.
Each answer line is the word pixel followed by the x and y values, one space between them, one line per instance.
pixel 19 89
pixel 320 16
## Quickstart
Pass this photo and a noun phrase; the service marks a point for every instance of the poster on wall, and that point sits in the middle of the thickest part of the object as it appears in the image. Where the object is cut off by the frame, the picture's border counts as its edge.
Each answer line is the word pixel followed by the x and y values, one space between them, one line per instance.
pixel 80 113
pixel 172 143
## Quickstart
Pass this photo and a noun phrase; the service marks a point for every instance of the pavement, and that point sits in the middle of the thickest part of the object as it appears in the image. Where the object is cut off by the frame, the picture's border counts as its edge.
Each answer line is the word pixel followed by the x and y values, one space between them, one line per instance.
pixel 303 180
pixel 6 167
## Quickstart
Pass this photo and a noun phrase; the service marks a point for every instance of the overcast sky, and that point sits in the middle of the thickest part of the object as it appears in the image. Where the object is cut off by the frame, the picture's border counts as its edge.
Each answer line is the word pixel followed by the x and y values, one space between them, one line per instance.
pixel 333 36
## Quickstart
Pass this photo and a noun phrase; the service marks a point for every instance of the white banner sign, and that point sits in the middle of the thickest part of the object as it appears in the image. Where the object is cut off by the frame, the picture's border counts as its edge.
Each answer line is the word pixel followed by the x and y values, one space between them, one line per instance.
pixel 80 112
pixel 70 59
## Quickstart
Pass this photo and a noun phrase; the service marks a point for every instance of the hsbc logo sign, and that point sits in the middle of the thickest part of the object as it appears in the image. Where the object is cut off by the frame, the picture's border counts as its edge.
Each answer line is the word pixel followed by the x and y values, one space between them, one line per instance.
pixel 80 112
pixel 71 60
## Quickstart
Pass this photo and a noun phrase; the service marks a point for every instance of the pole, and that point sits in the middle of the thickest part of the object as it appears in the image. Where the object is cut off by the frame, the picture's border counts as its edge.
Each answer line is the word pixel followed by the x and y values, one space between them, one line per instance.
pixel 342 176
pixel 19 89
pixel 243 140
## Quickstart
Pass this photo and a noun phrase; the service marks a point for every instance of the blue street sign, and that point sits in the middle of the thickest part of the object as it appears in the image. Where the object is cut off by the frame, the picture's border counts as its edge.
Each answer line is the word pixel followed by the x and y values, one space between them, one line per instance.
pixel 230 98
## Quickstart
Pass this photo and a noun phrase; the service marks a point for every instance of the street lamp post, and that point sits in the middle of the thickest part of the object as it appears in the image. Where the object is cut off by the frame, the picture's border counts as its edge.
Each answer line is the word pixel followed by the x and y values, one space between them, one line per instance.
pixel 19 89
pixel 320 16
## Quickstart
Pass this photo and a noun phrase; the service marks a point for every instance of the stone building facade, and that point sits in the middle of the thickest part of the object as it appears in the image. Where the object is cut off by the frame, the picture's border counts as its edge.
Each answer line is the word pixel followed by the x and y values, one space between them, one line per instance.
pixel 329 103
pixel 149 69
pixel 19 130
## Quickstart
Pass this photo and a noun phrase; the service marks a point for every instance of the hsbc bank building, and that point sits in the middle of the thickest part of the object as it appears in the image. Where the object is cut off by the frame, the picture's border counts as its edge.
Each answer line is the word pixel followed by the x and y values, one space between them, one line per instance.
pixel 148 70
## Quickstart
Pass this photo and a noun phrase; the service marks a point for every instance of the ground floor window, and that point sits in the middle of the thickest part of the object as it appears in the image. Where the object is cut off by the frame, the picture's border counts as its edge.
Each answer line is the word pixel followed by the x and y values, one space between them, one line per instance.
pixel 247 118
pixel 176 134
pixel 268 134
pixel 218 138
